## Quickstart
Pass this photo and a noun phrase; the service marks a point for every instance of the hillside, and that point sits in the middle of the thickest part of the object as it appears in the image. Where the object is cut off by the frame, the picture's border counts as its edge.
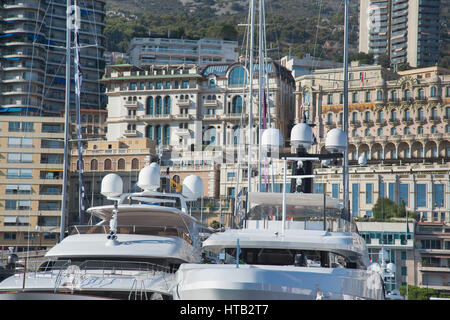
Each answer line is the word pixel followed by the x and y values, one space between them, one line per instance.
pixel 293 26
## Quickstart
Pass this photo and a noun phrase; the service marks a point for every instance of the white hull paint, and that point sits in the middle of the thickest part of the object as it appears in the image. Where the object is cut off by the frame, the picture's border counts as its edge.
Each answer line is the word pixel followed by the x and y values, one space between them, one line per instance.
pixel 257 282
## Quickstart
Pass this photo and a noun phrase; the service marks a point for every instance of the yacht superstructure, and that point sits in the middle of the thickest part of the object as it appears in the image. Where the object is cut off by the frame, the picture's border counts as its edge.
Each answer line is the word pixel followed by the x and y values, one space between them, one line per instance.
pixel 132 253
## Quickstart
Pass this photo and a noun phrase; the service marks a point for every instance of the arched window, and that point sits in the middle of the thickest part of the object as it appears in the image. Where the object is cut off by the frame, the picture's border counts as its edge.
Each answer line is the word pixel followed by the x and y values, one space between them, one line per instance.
pixel 135 164
pixel 94 165
pixel 393 131
pixel 209 137
pixel 367 116
pixel 367 132
pixel 158 103
pixel 354 116
pixel 379 95
pixel 407 114
pixel 421 94
pixel 380 132
pixel 167 103
pixel 406 130
pixel 237 76
pixel 236 104
pixel 434 114
pixel 394 96
pixel 380 115
pixel 393 115
pixel 433 129
pixel 420 114
pixel 419 130
pixel 121 164
pixel 107 164
pixel 149 106
pixel 407 95
pixel 149 131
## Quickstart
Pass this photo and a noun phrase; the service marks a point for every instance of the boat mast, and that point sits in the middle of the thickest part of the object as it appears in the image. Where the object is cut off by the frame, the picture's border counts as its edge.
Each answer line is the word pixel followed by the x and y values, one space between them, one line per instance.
pixel 260 92
pixel 66 122
pixel 250 99
pixel 345 118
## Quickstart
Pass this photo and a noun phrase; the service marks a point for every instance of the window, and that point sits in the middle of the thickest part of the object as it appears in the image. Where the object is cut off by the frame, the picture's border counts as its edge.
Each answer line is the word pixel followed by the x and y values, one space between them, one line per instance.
pixel 159 105
pixel 433 129
pixel 94 165
pixel 420 130
pixel 166 135
pixel 433 92
pixel 185 84
pixel 330 99
pixel 394 96
pixel 231 175
pixel 318 188
pixel 391 192
pixel 14 126
pixel 367 132
pixel 329 118
pixel 236 106
pixel 167 105
pixel 133 86
pixel 380 116
pixel 421 94
pixel 335 190
pixel 407 95
pixel 438 195
pixel 237 76
pixel 369 192
pixel 107 164
pixel 355 97
pixel 403 193
pixel 149 106
pixel 135 164
pixel 393 131
pixel 380 132
pixel 355 199
pixel 367 96
pixel 149 131
pixel 121 164
pixel 379 95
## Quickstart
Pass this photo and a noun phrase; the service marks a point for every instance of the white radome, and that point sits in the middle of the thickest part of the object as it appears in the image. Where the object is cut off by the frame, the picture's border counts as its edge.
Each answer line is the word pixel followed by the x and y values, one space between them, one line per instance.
pixel 301 135
pixel 112 185
pixel 336 140
pixel 149 177
pixel 271 139
pixel 192 187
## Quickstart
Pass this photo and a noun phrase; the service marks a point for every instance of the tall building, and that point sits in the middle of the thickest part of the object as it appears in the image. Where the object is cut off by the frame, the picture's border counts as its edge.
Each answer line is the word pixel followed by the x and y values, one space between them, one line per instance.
pixel 31 167
pixel 407 31
pixel 196 116
pixel 161 51
pixel 32 51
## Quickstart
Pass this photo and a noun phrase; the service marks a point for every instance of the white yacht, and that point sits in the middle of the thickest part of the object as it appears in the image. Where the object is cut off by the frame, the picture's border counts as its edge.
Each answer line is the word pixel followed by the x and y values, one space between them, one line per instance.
pixel 132 253
pixel 305 261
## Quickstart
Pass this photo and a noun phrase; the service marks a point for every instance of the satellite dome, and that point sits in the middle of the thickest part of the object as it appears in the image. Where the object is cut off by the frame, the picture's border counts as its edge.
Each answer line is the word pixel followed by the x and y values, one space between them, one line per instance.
pixel 149 177
pixel 301 135
pixel 375 267
pixel 336 140
pixel 391 267
pixel 112 185
pixel 192 187
pixel 362 160
pixel 271 139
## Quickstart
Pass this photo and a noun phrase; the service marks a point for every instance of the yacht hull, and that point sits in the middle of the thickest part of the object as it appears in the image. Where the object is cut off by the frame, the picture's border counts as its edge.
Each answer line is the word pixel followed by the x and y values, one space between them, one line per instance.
pixel 258 282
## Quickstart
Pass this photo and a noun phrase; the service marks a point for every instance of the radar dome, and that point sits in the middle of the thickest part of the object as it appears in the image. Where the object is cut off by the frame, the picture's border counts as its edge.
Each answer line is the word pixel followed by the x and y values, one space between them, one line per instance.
pixel 271 139
pixel 149 177
pixel 112 185
pixel 301 135
pixel 192 187
pixel 391 267
pixel 336 141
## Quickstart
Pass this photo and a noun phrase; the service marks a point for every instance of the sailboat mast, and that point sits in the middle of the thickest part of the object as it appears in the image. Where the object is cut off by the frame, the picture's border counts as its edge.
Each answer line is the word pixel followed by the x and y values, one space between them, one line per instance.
pixel 66 126
pixel 260 93
pixel 250 99
pixel 345 89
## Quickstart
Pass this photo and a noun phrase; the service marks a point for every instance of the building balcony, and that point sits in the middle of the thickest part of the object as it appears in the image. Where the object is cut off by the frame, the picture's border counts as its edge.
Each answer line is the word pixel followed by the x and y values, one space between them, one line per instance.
pixel 233 116
pixel 211 117
pixel 184 102
pixel 420 120
pixel 367 123
pixel 183 116
pixel 131 104
pixel 407 121
pixel 330 125
pixel 393 122
pixel 156 117
pixel 434 120
pixel 130 133
pixel 354 123
pixel 210 103
pixel 182 132
pixel 380 122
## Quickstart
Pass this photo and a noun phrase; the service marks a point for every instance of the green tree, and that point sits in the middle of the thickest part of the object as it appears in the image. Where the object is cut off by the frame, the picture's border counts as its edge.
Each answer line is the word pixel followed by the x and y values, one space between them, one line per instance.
pixel 417 293
pixel 384 61
pixel 362 57
pixel 385 209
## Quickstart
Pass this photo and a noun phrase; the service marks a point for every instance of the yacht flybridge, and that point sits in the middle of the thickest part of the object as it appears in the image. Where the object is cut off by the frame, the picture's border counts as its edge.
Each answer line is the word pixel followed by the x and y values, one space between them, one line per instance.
pixel 132 253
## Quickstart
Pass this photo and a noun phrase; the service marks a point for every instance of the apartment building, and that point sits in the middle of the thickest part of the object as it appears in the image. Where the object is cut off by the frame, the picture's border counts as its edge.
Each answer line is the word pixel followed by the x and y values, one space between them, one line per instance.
pixel 32 51
pixel 399 122
pixel 31 167
pixel 162 51
pixel 407 31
